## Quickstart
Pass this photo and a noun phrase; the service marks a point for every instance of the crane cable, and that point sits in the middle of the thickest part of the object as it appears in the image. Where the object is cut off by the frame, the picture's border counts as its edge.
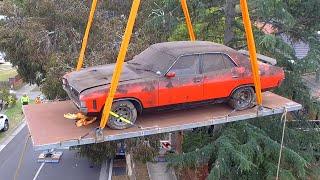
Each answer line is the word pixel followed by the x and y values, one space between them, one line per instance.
pixel 284 119
pixel 21 157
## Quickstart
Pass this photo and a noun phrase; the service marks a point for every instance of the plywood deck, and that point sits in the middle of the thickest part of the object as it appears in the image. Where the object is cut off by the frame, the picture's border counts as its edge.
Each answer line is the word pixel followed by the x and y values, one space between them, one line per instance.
pixel 49 129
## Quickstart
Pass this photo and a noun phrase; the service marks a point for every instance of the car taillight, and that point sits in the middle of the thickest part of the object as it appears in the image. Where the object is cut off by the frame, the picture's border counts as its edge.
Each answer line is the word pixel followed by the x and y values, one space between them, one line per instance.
pixel 280 82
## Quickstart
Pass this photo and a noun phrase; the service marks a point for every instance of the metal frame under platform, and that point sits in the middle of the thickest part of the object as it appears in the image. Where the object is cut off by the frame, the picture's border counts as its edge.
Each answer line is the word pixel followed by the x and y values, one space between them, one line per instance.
pixel 50 130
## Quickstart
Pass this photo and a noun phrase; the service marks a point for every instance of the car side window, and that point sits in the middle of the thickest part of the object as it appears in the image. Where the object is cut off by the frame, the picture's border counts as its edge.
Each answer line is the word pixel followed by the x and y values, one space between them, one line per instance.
pixel 212 62
pixel 186 65
pixel 228 62
pixel 216 62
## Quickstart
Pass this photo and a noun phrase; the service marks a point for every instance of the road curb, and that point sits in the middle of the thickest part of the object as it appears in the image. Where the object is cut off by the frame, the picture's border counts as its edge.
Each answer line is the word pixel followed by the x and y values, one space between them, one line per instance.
pixel 9 138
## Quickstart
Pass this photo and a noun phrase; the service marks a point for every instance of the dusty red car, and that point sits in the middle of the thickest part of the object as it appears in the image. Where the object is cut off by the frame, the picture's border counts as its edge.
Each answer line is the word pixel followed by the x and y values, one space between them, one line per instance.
pixel 171 73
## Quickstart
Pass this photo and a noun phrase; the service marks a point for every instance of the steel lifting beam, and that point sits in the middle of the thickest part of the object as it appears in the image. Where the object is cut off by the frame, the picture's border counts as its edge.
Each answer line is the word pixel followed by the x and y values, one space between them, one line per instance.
pixel 252 50
pixel 86 34
pixel 188 19
pixel 119 63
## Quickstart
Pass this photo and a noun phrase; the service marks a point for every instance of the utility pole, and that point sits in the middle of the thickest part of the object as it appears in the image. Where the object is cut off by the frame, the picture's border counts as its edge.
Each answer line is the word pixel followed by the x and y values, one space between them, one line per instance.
pixel 177 141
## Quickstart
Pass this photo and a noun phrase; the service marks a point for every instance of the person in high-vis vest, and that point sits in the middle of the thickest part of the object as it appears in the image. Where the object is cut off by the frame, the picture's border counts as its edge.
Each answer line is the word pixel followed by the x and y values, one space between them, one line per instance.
pixel 37 100
pixel 25 99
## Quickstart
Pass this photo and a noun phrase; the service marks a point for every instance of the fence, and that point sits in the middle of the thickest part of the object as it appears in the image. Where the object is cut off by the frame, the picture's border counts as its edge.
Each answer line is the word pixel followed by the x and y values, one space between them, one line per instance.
pixel 13 83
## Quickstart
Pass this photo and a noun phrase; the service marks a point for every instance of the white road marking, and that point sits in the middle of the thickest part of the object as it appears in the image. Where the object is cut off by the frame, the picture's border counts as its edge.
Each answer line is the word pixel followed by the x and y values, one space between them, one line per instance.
pixel 38 172
pixel 10 137
pixel 110 169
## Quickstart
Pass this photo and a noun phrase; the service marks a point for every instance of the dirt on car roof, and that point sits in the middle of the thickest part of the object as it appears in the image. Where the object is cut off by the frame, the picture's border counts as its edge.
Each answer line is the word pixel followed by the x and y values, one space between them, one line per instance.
pixel 177 48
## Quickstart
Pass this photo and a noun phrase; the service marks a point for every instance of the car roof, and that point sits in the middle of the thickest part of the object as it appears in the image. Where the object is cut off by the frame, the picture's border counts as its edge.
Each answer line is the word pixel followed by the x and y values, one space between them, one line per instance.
pixel 178 48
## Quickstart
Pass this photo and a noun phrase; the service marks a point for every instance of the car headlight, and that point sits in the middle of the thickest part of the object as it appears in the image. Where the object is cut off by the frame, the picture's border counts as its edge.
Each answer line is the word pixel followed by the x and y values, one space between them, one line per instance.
pixel 82 104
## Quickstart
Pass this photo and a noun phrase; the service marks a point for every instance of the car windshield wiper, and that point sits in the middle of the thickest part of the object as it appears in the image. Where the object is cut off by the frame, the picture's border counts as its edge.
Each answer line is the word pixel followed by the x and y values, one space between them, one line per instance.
pixel 134 63
pixel 148 70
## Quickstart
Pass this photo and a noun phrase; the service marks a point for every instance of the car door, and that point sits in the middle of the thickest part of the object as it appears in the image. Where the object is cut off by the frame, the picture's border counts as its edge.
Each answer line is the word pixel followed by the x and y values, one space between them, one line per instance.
pixel 183 82
pixel 219 75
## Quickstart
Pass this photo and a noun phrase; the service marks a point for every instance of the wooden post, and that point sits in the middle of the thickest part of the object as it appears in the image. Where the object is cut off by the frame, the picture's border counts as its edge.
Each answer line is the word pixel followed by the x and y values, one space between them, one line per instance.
pixel 177 142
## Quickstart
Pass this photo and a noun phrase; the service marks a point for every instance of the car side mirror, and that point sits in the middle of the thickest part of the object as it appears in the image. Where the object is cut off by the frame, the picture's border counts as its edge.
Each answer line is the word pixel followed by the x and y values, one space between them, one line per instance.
pixel 171 75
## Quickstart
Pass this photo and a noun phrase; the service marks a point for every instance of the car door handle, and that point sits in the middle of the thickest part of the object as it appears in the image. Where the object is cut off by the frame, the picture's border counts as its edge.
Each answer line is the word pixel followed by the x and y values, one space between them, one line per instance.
pixel 197 80
pixel 235 76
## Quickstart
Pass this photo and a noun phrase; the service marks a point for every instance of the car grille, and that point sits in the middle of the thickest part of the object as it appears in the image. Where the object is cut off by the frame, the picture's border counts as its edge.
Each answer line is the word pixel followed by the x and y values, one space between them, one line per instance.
pixel 72 93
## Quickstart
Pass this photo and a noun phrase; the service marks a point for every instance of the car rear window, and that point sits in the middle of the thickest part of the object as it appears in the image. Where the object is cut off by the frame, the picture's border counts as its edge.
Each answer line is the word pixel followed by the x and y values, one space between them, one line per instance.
pixel 215 62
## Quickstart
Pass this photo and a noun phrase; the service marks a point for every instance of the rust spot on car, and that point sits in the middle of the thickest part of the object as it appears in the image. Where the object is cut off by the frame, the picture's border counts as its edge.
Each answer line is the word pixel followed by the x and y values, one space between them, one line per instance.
pixel 169 85
pixel 122 90
pixel 149 87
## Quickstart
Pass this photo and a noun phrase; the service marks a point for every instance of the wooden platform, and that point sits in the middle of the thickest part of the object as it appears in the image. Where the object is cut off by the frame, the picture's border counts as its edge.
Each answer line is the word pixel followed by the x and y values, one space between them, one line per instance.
pixel 49 129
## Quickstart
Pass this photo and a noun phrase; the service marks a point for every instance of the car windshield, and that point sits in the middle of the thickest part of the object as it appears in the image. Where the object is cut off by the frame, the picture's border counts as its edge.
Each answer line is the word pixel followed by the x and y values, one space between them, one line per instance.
pixel 153 60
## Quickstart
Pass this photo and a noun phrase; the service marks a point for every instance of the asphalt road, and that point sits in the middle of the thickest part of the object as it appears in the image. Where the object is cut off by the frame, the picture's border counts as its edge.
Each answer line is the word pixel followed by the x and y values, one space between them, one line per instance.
pixel 70 166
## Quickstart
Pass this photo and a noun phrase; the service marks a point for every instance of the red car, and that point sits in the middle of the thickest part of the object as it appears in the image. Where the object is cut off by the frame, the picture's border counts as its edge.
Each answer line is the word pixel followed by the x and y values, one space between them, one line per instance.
pixel 171 73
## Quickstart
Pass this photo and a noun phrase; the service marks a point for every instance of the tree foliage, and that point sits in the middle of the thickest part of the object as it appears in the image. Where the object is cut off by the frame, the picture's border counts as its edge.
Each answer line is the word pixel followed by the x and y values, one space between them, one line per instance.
pixel 43 38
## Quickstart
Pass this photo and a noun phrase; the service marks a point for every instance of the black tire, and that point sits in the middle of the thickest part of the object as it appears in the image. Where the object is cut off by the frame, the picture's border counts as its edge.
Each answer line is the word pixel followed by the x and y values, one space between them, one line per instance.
pixel 125 109
pixel 242 98
pixel 6 126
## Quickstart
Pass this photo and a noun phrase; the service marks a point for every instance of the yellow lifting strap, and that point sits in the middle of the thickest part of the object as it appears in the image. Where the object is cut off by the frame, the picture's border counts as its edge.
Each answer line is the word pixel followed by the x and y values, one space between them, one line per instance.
pixel 119 63
pixel 188 19
pixel 86 34
pixel 252 50
pixel 120 118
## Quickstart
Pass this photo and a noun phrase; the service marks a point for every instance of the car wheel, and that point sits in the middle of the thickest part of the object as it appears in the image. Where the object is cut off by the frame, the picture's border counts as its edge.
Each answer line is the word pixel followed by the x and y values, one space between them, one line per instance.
pixel 6 126
pixel 124 109
pixel 242 98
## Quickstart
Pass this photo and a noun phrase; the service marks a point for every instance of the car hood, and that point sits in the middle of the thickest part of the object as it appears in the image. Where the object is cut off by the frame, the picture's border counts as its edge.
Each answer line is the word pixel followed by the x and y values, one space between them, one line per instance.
pixel 98 76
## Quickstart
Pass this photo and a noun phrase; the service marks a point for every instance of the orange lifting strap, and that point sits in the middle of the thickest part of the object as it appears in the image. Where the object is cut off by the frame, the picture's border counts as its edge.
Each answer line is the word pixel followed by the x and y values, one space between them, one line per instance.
pixel 252 50
pixel 119 63
pixel 188 19
pixel 126 41
pixel 86 34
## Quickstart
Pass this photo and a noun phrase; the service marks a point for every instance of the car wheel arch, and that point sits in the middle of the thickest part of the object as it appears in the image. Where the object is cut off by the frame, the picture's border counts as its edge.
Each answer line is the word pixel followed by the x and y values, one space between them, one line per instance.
pixel 136 102
pixel 242 86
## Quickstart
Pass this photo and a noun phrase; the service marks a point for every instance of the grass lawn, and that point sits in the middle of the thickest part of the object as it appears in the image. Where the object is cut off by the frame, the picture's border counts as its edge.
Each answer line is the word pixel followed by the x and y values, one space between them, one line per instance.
pixel 15 118
pixel 6 72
